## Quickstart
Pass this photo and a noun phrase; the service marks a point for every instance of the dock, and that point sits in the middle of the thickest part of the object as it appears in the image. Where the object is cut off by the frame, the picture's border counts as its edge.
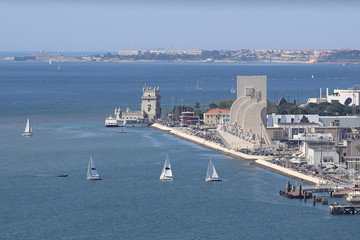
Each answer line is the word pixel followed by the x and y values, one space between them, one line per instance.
pixel 337 209
pixel 294 192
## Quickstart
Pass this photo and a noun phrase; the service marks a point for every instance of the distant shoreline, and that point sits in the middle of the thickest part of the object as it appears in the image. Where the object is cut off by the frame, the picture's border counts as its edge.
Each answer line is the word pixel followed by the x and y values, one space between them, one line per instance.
pixel 3 59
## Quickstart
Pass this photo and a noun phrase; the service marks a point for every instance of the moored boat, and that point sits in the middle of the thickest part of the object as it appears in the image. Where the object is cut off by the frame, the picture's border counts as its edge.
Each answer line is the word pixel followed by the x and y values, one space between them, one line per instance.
pixel 110 122
pixel 340 192
pixel 353 197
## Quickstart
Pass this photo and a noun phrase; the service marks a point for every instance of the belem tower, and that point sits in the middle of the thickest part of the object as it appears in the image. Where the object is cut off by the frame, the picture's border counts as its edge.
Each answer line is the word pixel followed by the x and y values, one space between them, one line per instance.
pixel 150 108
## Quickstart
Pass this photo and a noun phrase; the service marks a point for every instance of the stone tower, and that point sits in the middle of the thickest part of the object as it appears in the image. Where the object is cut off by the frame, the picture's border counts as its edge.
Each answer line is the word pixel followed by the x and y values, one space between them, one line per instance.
pixel 150 103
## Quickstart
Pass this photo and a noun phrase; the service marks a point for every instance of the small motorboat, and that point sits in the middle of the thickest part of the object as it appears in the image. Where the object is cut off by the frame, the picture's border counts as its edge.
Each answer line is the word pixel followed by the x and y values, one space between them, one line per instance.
pixel 61 174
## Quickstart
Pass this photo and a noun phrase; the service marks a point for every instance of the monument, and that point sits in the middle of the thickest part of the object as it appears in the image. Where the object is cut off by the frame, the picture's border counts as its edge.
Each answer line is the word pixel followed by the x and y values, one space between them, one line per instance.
pixel 247 126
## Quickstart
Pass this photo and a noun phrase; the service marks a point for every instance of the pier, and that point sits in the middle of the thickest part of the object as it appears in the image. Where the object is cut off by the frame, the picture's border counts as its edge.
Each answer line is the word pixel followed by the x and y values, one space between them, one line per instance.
pixel 336 209
pixel 294 192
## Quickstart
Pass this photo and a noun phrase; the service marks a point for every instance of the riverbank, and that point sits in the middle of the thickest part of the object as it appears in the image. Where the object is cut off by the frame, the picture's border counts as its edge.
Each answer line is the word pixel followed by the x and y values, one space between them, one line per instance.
pixel 289 172
pixel 261 161
pixel 203 142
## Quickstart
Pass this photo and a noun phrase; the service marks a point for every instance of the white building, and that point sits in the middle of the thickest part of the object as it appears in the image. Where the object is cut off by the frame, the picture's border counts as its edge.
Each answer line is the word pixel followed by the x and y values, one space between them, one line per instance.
pixel 347 97
pixel 275 120
pixel 320 153
pixel 128 52
pixel 292 125
pixel 314 137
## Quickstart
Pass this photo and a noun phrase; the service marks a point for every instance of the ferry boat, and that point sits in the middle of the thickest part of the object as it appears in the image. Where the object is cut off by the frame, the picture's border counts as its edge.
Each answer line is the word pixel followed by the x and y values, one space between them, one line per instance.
pixel 110 122
pixel 340 192
pixel 353 197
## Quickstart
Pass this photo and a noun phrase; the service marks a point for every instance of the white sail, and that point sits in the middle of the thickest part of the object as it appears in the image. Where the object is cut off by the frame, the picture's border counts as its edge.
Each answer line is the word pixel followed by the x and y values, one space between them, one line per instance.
pixel 166 173
pixel 92 173
pixel 198 88
pixel 211 174
pixel 28 129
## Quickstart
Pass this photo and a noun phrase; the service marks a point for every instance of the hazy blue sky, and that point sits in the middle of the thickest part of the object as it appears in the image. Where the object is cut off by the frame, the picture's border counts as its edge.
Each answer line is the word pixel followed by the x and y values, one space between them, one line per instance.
pixel 110 25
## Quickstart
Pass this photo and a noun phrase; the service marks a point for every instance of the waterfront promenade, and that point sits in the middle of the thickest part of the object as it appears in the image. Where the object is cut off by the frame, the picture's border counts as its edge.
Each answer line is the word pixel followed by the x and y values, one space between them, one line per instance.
pixel 262 161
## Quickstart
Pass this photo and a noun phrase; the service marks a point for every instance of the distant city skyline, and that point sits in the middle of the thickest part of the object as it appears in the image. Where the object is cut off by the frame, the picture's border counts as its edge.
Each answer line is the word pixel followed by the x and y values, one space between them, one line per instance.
pixel 109 25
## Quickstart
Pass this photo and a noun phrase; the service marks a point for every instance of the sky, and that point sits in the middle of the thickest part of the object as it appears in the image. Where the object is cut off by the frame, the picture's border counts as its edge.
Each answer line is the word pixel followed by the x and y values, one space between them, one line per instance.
pixel 113 25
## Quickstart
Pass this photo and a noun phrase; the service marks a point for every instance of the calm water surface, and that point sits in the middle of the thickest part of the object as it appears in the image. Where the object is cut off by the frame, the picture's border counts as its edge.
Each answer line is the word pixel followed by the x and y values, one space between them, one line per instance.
pixel 67 109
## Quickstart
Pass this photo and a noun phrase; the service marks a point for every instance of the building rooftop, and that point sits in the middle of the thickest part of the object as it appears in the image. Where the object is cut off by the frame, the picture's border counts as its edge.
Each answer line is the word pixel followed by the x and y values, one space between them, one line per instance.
pixel 216 111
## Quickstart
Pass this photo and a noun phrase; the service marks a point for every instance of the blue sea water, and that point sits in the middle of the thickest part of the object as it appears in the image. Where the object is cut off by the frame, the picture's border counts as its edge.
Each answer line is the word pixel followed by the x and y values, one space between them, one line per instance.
pixel 67 109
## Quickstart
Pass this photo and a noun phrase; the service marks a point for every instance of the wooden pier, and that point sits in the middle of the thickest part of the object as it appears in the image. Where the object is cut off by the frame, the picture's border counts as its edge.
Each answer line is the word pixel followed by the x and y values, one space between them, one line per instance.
pixel 295 192
pixel 344 209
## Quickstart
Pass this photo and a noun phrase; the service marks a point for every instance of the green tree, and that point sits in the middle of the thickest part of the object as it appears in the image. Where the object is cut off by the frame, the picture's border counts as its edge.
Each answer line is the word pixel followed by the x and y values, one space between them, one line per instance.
pixel 212 105
pixel 197 105
pixel 225 104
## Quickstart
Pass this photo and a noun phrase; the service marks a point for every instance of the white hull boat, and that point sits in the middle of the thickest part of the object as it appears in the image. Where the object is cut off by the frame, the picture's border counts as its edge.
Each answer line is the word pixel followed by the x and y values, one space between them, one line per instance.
pixel 92 173
pixel 166 173
pixel 353 197
pixel 28 129
pixel 211 174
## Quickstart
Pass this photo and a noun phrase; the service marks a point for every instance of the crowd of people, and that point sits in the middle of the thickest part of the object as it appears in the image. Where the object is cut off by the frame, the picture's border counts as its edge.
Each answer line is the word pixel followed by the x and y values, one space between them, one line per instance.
pixel 208 135
pixel 241 133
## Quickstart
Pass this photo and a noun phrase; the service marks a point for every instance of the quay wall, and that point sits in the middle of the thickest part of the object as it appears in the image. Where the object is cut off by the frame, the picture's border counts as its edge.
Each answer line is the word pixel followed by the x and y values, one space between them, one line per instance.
pixel 289 172
pixel 204 143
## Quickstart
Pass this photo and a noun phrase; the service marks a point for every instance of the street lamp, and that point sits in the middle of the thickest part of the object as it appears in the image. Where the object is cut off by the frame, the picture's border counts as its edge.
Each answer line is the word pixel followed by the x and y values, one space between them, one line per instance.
pixel 260 136
pixel 321 151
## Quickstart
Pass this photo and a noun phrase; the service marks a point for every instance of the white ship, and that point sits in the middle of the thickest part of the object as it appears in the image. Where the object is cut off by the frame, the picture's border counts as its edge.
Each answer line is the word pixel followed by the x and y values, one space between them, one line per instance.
pixel 110 122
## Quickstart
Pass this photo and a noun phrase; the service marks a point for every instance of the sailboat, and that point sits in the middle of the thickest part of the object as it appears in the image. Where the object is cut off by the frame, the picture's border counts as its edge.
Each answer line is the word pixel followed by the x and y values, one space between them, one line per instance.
pixel 198 88
pixel 232 90
pixel 59 67
pixel 92 173
pixel 211 174
pixel 166 173
pixel 28 129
